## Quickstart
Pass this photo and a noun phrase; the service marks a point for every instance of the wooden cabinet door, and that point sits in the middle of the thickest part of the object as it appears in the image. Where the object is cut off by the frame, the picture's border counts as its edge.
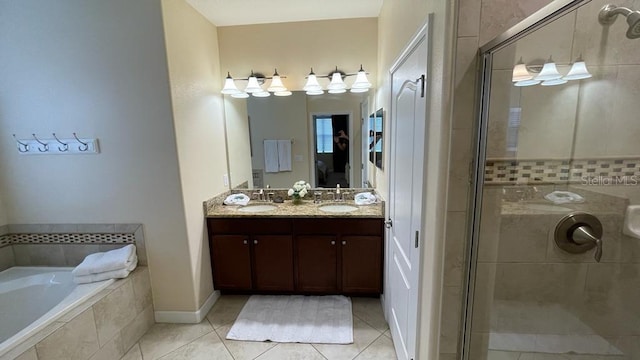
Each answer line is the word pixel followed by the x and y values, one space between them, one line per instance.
pixel 317 264
pixel 273 262
pixel 231 262
pixel 361 264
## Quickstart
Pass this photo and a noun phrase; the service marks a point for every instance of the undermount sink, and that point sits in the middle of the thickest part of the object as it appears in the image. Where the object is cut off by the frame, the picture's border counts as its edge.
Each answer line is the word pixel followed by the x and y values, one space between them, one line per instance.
pixel 257 208
pixel 547 207
pixel 338 208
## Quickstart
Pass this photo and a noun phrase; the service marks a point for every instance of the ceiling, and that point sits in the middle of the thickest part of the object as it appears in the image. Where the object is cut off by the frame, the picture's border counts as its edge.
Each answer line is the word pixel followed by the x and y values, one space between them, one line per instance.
pixel 244 12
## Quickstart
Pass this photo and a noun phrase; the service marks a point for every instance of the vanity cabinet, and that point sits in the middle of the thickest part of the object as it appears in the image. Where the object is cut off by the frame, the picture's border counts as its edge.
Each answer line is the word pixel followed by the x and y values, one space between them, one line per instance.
pixel 297 255
pixel 317 269
pixel 339 255
pixel 251 254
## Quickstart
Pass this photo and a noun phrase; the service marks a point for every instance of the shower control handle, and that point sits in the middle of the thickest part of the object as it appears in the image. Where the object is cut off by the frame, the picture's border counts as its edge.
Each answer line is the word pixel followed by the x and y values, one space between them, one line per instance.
pixel 579 232
pixel 584 235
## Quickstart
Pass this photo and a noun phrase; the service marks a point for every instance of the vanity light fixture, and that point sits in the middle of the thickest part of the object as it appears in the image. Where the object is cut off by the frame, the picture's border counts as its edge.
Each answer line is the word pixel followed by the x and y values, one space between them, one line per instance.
pixel 548 74
pixel 578 71
pixel 553 82
pixel 229 86
pixel 549 71
pixel 240 95
pixel 520 72
pixel 254 86
pixel 337 84
pixel 529 82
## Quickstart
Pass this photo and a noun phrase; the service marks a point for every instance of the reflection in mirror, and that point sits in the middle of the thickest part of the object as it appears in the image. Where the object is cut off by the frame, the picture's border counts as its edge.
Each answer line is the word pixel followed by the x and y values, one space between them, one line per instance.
pixel 376 124
pixel 277 141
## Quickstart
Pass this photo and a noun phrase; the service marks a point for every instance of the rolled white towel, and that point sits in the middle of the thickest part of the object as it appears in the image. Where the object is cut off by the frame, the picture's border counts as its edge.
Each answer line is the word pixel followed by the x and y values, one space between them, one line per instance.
pixel 236 199
pixel 365 198
pixel 114 274
pixel 564 197
pixel 117 259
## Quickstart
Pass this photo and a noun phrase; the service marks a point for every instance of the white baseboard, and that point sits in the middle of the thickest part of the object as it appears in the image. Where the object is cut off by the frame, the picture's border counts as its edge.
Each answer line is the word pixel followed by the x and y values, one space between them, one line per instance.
pixel 188 317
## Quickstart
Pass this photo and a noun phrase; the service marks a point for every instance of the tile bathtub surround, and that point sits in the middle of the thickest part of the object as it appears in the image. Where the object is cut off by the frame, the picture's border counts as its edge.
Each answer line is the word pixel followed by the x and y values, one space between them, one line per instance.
pixel 7 259
pixel 105 326
pixel 586 171
pixel 68 244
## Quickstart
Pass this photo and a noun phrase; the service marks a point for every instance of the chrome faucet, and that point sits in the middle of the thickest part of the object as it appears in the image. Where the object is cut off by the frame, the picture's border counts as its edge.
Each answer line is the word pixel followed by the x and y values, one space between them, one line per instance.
pixel 317 197
pixel 339 194
pixel 259 195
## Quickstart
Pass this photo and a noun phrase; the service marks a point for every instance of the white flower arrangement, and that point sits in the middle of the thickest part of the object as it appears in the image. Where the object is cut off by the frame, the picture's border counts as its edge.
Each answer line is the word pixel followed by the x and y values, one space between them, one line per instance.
pixel 299 189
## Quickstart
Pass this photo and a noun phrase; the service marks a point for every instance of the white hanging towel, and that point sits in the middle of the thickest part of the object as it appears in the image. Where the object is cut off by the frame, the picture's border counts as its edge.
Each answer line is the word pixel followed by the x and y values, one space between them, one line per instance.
pixel 271 156
pixel 284 155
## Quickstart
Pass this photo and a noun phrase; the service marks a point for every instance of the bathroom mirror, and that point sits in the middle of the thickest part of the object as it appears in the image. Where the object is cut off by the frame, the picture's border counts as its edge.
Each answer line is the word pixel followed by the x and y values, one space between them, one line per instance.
pixel 319 136
pixel 376 125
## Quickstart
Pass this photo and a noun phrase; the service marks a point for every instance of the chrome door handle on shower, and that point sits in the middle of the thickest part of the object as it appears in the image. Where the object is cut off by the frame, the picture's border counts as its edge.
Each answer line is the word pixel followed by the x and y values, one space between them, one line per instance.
pixel 579 232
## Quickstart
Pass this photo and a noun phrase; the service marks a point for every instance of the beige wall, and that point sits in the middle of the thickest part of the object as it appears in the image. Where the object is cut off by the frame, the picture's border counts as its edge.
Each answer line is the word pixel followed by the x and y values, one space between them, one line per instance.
pixel 293 48
pixel 81 71
pixel 194 72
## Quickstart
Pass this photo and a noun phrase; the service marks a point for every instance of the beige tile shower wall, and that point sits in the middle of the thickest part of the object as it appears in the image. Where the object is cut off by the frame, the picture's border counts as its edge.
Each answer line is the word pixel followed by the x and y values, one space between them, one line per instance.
pixel 103 327
pixel 478 22
pixel 3 213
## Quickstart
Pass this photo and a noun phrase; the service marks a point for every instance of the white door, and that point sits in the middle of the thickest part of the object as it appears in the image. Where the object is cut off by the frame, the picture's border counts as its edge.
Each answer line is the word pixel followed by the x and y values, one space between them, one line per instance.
pixel 406 183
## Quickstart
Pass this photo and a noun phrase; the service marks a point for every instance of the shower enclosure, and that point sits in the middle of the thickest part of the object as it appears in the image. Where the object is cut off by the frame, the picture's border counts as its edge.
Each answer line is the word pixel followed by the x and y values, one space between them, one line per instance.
pixel 554 256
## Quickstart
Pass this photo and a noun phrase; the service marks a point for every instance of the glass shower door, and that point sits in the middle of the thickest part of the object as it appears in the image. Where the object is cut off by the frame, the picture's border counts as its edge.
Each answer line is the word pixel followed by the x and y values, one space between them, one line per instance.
pixel 560 179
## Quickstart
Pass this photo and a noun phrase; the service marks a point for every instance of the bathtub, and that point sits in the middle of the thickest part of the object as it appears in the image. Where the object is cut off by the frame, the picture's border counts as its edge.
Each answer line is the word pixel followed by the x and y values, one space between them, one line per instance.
pixel 33 297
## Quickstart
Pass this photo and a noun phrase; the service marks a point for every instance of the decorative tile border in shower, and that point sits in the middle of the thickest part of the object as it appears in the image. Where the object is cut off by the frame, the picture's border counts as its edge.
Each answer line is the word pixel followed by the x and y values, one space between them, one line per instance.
pixel 582 171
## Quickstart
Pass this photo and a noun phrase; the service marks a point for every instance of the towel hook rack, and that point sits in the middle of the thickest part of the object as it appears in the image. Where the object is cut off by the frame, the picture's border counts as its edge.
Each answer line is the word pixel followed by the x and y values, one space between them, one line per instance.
pixel 22 147
pixel 46 146
pixel 65 146
pixel 86 145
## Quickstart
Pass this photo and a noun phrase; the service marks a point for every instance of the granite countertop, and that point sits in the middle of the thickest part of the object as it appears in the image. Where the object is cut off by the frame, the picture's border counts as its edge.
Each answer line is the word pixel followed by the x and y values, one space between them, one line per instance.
pixel 214 208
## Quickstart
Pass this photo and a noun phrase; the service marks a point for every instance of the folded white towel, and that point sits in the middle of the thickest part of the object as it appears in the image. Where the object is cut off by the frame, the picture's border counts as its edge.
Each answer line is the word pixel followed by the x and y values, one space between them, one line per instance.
pixel 271 156
pixel 117 259
pixel 284 155
pixel 114 274
pixel 365 198
pixel 236 199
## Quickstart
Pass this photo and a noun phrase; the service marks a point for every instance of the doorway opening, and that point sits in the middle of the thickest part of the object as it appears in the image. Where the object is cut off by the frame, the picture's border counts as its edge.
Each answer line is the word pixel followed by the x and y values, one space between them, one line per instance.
pixel 331 150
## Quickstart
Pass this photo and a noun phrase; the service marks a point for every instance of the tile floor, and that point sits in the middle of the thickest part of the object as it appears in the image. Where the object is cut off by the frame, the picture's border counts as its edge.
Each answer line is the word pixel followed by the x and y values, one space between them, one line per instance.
pixel 372 339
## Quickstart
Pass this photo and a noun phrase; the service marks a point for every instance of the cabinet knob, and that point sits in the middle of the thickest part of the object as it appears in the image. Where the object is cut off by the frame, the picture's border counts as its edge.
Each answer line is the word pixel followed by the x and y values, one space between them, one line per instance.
pixel 344 242
pixel 245 242
pixel 333 242
pixel 255 242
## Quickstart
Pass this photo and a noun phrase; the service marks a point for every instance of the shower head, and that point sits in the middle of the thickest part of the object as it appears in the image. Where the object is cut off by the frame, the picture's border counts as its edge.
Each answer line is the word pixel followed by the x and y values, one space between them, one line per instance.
pixel 609 13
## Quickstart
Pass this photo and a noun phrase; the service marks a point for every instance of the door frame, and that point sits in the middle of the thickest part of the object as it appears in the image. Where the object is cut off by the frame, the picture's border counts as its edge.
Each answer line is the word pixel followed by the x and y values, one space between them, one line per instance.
pixel 364 146
pixel 312 143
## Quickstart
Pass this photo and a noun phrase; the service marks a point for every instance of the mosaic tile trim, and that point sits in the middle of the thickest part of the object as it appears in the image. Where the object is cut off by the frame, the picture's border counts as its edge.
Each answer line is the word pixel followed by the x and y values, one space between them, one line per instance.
pixel 67 238
pixel 599 171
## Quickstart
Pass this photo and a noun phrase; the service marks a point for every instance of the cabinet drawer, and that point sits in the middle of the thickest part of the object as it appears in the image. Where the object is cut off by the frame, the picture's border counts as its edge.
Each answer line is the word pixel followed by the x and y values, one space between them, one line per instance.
pixel 334 226
pixel 265 226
